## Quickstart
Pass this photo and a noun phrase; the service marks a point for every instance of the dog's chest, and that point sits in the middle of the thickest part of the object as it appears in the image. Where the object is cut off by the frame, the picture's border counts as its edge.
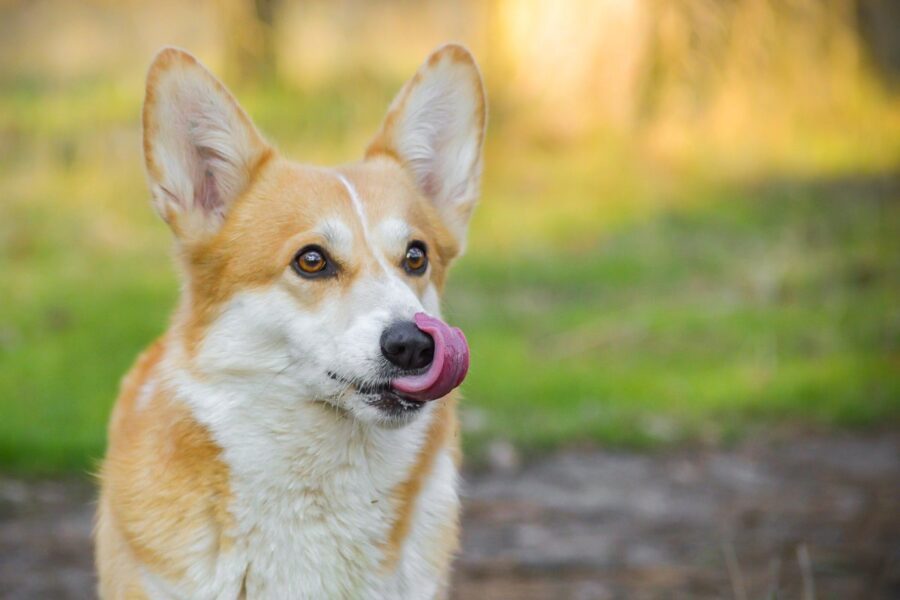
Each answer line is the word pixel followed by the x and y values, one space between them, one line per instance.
pixel 313 527
pixel 308 542
pixel 315 543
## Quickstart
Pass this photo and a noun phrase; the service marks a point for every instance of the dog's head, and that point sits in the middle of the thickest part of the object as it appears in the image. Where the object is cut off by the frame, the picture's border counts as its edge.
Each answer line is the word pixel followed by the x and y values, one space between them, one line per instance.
pixel 310 284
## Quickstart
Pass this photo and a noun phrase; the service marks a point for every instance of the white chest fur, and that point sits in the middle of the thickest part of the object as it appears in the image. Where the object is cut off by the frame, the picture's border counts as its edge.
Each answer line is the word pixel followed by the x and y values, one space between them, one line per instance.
pixel 314 503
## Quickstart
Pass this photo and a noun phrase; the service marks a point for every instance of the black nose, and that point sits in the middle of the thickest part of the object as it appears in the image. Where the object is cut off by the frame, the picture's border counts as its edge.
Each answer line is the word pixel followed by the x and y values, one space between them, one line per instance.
pixel 406 346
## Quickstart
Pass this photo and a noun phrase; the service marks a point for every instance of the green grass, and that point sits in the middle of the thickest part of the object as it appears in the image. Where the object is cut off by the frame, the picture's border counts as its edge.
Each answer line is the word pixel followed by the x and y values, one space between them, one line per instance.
pixel 606 298
pixel 771 305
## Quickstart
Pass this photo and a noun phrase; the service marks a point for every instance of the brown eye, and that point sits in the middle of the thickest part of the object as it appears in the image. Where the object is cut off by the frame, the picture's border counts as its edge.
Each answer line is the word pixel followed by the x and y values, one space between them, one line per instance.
pixel 416 260
pixel 311 262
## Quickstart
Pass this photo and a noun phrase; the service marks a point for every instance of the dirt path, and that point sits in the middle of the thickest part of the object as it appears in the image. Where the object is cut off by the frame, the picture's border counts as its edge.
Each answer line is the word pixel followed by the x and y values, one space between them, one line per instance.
pixel 754 522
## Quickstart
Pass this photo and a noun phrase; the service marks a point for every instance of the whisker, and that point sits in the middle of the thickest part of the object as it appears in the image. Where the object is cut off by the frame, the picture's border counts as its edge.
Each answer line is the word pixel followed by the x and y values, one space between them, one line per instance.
pixel 291 364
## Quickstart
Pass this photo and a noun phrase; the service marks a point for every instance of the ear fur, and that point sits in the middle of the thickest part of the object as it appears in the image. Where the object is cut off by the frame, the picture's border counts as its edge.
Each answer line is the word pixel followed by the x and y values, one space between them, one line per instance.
pixel 435 129
pixel 200 148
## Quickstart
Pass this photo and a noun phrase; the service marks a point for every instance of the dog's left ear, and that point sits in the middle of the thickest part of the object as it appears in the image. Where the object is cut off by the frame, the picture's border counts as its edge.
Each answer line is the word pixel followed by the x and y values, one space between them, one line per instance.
pixel 435 128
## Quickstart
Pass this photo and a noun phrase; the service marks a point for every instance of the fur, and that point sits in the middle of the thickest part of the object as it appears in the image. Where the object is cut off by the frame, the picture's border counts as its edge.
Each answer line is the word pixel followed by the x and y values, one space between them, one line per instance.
pixel 238 466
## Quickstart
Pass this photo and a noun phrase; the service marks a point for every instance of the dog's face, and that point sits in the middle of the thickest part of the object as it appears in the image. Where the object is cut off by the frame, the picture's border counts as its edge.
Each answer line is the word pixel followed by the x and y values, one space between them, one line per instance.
pixel 304 283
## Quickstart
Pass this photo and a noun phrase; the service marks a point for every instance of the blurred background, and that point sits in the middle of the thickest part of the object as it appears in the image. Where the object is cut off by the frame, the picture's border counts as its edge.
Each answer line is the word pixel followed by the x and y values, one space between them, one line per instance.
pixel 688 240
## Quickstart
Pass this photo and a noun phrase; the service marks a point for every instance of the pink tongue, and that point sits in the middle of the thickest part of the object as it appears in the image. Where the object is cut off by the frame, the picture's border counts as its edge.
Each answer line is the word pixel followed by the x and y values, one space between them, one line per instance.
pixel 448 368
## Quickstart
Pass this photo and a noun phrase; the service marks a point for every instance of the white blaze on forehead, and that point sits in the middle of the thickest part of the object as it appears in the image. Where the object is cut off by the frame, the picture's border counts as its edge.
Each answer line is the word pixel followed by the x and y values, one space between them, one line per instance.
pixel 391 290
pixel 363 220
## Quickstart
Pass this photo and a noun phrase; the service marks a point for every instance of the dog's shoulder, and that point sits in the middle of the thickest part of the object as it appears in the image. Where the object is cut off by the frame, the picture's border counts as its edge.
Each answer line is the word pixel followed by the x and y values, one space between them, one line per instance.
pixel 163 476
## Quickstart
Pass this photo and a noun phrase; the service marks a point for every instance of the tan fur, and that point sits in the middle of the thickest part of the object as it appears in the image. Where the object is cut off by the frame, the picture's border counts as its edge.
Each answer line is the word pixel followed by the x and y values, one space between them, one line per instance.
pixel 164 483
pixel 444 433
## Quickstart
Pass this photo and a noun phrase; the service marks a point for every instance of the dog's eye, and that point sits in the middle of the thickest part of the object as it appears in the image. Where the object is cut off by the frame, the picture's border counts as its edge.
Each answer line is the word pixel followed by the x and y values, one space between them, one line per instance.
pixel 416 260
pixel 311 262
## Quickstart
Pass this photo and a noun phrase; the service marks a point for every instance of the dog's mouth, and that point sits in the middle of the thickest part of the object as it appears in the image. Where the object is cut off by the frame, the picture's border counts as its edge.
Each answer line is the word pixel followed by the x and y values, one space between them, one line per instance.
pixel 381 395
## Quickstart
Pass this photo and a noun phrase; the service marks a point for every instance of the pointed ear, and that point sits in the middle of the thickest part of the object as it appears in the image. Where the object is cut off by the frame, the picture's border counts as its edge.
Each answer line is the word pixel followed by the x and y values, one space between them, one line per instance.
pixel 200 148
pixel 435 128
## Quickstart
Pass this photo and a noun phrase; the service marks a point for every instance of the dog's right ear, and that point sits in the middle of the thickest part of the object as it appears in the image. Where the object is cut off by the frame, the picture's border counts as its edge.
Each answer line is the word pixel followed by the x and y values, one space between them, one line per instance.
pixel 200 148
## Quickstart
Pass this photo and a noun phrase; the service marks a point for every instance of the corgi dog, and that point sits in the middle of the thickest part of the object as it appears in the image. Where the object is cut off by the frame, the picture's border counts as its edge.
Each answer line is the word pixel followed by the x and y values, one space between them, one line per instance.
pixel 293 434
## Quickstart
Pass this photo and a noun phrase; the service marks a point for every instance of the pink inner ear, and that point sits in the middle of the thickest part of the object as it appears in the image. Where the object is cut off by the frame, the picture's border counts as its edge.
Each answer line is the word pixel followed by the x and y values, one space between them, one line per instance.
pixel 206 193
pixel 430 184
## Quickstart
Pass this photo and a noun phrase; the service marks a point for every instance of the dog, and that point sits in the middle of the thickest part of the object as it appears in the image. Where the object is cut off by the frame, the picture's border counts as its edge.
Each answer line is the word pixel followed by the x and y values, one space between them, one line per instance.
pixel 293 434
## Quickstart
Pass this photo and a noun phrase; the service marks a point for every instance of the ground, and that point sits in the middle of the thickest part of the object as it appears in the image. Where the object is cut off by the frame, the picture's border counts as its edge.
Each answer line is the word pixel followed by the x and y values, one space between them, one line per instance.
pixel 797 516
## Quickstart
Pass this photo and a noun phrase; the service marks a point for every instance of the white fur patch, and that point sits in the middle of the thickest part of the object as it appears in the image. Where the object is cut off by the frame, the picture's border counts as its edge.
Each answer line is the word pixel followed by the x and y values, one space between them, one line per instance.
pixel 338 236
pixel 145 394
pixel 393 234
